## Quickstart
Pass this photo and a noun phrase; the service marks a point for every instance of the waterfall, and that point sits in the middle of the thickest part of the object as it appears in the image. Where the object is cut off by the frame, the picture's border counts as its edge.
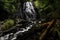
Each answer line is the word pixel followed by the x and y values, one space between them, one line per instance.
pixel 28 10
pixel 27 13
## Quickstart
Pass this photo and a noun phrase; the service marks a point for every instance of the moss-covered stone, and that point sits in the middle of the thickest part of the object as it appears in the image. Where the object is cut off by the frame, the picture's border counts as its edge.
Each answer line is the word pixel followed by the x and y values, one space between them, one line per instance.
pixel 7 24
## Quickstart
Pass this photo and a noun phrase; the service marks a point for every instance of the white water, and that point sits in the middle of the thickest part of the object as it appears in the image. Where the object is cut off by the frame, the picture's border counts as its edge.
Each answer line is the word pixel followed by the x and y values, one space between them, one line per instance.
pixel 30 10
pixel 12 36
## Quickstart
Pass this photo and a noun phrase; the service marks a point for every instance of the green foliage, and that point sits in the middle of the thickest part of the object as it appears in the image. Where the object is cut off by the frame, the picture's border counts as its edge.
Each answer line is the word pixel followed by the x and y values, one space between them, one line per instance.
pixel 10 6
pixel 7 24
pixel 41 3
pixel 58 31
pixel 46 7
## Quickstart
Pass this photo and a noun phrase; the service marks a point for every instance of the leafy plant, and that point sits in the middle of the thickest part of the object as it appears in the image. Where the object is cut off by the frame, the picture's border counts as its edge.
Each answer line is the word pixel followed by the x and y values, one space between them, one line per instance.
pixel 8 24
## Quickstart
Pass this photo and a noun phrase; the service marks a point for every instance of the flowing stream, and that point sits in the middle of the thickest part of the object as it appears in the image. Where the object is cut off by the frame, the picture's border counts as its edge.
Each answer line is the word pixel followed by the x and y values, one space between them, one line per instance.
pixel 13 36
pixel 30 14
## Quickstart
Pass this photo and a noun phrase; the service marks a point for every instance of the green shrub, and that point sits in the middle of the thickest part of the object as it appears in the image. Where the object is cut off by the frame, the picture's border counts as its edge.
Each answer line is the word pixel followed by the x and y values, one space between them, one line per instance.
pixel 7 24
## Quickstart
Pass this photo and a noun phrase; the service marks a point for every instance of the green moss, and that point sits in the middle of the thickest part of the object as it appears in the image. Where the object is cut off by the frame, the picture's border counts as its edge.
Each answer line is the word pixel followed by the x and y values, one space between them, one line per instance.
pixel 36 4
pixel 7 24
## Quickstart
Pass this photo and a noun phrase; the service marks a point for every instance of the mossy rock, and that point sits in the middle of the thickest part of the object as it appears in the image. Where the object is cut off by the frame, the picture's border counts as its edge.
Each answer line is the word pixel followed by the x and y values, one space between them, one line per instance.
pixel 7 24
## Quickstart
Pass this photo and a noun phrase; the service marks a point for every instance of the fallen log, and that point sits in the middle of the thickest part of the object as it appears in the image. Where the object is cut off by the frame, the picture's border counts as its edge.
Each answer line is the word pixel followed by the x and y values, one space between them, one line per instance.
pixel 45 32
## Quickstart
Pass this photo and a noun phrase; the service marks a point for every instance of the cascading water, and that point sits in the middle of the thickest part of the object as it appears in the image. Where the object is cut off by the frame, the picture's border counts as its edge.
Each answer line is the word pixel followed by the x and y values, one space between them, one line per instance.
pixel 30 14
pixel 13 36
pixel 28 10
